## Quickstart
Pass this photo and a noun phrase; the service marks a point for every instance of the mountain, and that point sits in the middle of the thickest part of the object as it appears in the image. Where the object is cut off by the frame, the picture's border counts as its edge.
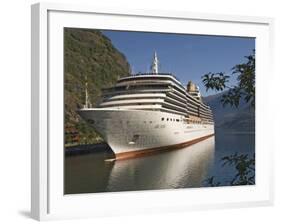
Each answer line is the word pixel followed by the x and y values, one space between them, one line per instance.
pixel 87 53
pixel 232 118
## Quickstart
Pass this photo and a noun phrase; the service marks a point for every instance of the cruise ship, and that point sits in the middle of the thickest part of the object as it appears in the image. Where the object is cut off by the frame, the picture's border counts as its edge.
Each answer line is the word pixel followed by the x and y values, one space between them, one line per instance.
pixel 149 112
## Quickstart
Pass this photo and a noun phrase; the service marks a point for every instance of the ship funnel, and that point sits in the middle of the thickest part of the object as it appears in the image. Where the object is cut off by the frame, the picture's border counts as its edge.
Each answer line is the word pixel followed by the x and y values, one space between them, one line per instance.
pixel 193 90
pixel 154 65
pixel 191 87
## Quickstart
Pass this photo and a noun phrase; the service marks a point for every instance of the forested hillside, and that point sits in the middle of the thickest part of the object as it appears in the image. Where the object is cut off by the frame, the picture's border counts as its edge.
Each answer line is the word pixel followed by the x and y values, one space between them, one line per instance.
pixel 87 53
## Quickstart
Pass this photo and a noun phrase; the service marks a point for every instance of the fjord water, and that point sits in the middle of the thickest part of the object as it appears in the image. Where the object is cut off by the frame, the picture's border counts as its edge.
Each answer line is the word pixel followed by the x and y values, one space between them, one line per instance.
pixel 183 168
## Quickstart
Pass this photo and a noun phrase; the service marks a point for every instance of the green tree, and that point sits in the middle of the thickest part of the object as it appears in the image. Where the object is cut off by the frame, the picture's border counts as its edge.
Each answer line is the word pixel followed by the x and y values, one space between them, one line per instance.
pixel 244 167
pixel 245 88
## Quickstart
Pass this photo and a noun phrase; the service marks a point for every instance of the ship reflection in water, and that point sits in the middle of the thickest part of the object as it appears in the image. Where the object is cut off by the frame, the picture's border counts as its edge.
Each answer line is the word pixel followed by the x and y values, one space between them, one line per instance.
pixel 187 167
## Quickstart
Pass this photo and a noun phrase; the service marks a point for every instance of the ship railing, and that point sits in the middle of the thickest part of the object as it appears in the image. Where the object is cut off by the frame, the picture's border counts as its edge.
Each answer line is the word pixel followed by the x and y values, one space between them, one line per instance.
pixel 150 73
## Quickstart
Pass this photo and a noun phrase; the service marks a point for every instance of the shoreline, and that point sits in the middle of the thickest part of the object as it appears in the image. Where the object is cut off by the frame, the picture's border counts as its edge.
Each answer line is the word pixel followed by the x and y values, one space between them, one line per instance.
pixel 104 147
pixel 87 149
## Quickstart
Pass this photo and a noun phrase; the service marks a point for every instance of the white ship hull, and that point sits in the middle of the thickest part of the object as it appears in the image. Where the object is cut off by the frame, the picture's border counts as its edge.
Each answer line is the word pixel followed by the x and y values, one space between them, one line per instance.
pixel 134 132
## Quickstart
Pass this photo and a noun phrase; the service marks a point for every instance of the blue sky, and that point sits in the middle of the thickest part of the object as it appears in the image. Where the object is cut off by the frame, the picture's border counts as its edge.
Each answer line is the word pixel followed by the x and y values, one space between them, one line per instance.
pixel 188 57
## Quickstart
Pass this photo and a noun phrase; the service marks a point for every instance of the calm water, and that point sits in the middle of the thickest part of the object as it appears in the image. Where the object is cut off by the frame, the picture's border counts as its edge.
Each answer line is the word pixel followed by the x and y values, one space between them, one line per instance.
pixel 184 168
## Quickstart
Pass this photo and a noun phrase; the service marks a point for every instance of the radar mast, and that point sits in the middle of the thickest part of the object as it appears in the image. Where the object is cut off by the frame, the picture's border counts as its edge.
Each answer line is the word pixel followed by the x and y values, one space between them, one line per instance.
pixel 154 65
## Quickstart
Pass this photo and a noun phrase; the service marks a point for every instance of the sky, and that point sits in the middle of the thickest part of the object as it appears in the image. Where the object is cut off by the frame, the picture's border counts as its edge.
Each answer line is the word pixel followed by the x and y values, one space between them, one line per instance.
pixel 188 57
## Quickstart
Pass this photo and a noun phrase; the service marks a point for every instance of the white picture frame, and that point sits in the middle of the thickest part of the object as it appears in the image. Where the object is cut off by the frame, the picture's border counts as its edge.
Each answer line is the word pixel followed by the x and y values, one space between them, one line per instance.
pixel 48 201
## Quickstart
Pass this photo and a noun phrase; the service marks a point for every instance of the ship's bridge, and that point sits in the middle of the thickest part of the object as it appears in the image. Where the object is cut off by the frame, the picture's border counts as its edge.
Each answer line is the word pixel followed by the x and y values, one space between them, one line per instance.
pixel 159 76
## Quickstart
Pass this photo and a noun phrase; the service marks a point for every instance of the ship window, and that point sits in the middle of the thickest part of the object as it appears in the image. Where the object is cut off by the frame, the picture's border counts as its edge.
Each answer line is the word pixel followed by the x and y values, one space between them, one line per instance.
pixel 174 119
pixel 170 119
pixel 177 120
pixel 167 119
pixel 162 119
pixel 150 122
